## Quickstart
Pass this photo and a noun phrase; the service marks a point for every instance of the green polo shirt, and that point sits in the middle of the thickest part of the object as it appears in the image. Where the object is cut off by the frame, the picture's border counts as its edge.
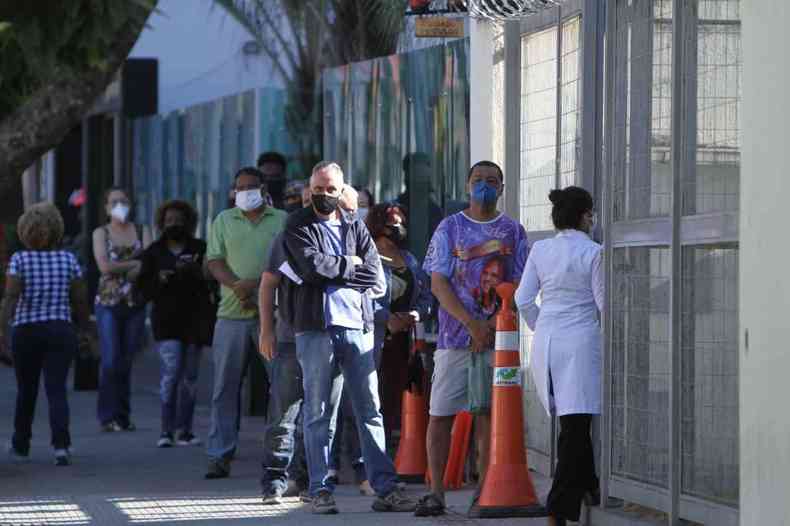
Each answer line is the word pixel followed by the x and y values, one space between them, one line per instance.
pixel 245 246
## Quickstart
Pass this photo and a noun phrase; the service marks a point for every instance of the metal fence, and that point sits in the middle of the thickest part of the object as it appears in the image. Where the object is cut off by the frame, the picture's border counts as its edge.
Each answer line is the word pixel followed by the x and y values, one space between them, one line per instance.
pixel 193 154
pixel 376 112
pixel 639 101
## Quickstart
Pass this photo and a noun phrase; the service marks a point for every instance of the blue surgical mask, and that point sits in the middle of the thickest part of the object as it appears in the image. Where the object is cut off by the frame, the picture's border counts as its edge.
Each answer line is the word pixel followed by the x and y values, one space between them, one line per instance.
pixel 484 193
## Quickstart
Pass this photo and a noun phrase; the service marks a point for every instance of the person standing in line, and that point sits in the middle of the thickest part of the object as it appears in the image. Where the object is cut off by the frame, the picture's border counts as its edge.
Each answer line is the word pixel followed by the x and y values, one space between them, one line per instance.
pixel 283 457
pixel 273 166
pixel 408 301
pixel 120 310
pixel 565 360
pixel 238 249
pixel 344 434
pixel 462 248
pixel 44 286
pixel 365 200
pixel 182 318
pixel 334 256
pixel 292 200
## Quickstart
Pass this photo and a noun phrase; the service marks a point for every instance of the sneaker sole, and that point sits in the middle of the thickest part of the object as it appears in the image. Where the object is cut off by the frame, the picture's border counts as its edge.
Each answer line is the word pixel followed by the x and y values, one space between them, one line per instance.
pixel 271 501
pixel 187 444
pixel 325 511
pixel 386 508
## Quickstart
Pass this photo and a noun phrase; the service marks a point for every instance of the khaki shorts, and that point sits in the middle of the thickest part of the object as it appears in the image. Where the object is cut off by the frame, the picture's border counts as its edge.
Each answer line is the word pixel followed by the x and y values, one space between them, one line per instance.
pixel 462 381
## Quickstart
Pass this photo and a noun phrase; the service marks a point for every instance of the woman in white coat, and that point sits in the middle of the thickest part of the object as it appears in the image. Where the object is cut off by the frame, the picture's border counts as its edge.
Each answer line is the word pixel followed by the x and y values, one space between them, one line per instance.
pixel 566 348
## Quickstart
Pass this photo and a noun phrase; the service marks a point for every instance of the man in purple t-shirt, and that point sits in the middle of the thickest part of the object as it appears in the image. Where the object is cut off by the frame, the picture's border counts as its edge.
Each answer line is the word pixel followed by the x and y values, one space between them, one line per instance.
pixel 470 253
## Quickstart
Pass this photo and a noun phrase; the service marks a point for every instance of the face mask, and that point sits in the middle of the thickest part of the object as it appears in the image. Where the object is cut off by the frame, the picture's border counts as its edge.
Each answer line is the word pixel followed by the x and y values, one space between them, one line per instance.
pixel 398 233
pixel 362 213
pixel 293 207
pixel 175 233
pixel 120 212
pixel 249 200
pixel 276 187
pixel 325 204
pixel 484 193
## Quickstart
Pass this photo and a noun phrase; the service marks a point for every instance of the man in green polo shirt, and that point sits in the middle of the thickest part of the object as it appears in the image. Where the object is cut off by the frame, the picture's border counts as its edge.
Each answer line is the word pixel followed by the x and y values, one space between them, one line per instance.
pixel 238 250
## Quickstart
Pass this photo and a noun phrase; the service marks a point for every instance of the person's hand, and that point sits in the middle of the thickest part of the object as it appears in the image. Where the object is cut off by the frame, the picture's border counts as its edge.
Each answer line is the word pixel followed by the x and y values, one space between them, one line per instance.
pixel 165 275
pixel 249 304
pixel 134 272
pixel 482 335
pixel 244 288
pixel 399 322
pixel 266 345
pixel 356 260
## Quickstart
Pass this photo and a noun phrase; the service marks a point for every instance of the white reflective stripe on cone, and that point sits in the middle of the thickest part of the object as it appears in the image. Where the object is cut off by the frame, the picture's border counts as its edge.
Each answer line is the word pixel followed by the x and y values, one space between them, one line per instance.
pixel 506 341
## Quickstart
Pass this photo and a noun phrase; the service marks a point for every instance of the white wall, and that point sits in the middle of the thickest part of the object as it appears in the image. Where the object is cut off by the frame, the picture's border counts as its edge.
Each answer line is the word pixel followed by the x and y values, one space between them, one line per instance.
pixel 200 57
pixel 764 275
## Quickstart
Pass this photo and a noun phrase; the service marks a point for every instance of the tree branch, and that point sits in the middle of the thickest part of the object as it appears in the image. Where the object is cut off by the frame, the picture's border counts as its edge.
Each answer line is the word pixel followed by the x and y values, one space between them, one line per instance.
pixel 49 113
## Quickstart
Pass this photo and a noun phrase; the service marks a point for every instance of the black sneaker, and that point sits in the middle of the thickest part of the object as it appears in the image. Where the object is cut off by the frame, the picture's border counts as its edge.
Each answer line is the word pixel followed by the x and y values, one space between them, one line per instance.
pixel 396 501
pixel 324 504
pixel 429 506
pixel 218 469
pixel 165 440
pixel 62 457
pixel 186 438
pixel 128 426
pixel 17 455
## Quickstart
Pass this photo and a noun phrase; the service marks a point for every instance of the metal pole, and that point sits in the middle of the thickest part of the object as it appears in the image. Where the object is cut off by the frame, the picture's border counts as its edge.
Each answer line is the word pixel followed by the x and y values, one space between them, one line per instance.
pixel 610 10
pixel 678 139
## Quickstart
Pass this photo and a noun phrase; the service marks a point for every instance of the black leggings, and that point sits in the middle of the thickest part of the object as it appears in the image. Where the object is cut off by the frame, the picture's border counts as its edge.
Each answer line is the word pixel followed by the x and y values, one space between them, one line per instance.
pixel 575 472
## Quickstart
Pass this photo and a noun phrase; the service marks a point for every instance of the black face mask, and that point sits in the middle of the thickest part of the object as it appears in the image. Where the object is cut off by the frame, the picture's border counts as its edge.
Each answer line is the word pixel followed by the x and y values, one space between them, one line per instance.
pixel 292 207
pixel 325 204
pixel 398 233
pixel 175 233
pixel 276 188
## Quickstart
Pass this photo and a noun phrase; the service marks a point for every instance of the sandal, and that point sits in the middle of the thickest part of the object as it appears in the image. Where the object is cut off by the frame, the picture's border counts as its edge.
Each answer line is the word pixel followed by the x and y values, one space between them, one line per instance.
pixel 429 506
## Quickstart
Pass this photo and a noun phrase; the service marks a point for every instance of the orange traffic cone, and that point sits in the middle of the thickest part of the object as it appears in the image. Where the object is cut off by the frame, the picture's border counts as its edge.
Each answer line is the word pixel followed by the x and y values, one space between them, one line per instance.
pixel 507 489
pixel 411 461
pixel 459 448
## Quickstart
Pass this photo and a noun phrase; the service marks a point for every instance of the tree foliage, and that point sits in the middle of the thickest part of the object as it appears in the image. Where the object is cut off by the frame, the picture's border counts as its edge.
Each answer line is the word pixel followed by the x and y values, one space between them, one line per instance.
pixel 56 58
pixel 301 37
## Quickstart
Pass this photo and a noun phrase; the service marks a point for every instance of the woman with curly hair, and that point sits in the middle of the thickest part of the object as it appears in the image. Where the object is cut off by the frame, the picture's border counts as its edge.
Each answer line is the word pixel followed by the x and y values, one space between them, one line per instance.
pixel 43 286
pixel 120 312
pixel 182 318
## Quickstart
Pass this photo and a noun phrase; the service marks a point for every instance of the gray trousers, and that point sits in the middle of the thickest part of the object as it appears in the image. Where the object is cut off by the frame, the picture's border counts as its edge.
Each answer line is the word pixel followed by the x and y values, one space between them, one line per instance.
pixel 235 343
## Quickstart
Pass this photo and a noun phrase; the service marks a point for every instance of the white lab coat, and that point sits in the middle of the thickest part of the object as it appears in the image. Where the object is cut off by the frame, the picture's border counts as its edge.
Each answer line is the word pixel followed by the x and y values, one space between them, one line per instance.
pixel 566 346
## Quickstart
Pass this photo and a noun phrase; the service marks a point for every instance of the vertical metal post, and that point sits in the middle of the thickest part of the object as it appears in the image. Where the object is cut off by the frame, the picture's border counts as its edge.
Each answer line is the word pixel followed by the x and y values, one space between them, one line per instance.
pixel 512 131
pixel 678 140
pixel 610 11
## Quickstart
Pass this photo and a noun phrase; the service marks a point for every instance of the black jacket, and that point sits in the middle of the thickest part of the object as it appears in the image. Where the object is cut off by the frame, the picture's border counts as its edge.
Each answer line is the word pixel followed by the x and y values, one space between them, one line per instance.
pixel 182 307
pixel 309 253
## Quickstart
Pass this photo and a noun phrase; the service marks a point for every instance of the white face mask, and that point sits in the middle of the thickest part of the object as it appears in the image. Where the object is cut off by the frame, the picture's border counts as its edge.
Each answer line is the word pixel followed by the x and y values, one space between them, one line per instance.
pixel 362 213
pixel 248 200
pixel 120 212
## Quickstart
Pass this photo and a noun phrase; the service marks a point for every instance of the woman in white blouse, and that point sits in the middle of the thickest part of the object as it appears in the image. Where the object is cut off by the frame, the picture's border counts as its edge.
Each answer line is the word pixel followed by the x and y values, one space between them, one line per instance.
pixel 565 360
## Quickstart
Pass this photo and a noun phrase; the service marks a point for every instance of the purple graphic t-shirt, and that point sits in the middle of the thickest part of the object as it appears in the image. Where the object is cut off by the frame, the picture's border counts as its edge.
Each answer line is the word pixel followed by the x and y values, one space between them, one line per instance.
pixel 476 257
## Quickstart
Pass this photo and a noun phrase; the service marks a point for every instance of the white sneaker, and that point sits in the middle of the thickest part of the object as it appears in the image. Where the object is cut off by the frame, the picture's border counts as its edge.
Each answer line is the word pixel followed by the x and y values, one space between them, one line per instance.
pixel 188 439
pixel 15 455
pixel 62 457
pixel 165 440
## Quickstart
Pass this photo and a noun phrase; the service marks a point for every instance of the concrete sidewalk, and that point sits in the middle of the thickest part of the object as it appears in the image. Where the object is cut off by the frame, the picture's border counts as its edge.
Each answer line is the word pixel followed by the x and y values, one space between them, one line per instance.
pixel 123 478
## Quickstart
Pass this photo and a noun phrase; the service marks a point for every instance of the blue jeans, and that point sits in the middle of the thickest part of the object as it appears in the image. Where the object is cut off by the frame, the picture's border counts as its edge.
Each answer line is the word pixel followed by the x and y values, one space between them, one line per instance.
pixel 49 347
pixel 121 329
pixel 346 436
pixel 178 384
pixel 283 456
pixel 323 355
pixel 235 342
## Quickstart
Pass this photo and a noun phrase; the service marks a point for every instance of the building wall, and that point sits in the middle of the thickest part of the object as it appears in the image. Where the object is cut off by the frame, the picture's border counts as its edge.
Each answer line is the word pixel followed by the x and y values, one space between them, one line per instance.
pixel 765 282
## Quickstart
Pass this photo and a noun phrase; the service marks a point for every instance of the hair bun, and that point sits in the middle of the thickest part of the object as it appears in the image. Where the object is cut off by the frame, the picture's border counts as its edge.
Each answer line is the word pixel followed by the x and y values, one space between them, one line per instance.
pixel 557 197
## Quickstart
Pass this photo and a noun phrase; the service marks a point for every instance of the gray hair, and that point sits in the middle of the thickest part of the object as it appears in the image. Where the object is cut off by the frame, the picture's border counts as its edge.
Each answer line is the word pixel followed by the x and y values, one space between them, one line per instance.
pixel 327 165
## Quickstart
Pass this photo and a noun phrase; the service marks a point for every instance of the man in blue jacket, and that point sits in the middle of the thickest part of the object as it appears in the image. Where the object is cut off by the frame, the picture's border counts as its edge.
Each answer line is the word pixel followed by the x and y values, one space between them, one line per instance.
pixel 334 257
